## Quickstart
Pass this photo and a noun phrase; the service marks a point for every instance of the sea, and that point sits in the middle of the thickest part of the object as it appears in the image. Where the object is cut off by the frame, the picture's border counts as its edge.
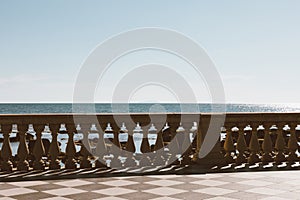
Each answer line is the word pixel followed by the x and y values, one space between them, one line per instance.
pixel 26 108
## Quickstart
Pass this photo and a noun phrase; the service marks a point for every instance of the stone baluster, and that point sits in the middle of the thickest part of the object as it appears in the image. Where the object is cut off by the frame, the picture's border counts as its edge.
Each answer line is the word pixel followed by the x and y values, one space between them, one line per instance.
pixel 254 146
pixel 38 149
pixel 130 149
pixel 167 137
pixel 267 146
pixel 241 147
pixel 187 149
pixel 228 147
pixel 54 149
pixel 280 146
pixel 159 142
pixel 71 149
pixel 6 153
pixel 292 145
pixel 145 143
pixel 273 134
pixel 100 150
pixel 130 144
pixel 145 160
pixel 22 153
pixel 173 145
pixel 159 150
pixel 116 141
pixel 85 148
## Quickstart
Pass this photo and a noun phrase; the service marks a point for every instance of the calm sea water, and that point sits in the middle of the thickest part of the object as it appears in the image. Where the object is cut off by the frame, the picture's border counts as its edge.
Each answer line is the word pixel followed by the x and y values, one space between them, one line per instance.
pixel 143 108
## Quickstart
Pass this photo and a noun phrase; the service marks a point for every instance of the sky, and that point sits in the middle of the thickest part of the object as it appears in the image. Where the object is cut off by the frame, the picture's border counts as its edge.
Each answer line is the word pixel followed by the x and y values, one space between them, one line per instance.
pixel 255 46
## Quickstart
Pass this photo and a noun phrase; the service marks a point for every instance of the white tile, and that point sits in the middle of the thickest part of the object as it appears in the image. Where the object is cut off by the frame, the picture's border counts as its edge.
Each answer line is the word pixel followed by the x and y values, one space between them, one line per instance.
pixel 16 191
pixel 164 183
pixel 164 191
pixel 114 191
pixel 118 183
pixel 28 183
pixel 209 182
pixel 164 198
pixel 274 198
pixel 266 191
pixel 252 175
pixel 73 183
pixel 284 174
pixel 56 198
pixel 220 198
pixel 6 198
pixel 289 195
pixel 292 182
pixel 110 198
pixel 214 191
pixel 64 191
pixel 255 183
pixel 206 176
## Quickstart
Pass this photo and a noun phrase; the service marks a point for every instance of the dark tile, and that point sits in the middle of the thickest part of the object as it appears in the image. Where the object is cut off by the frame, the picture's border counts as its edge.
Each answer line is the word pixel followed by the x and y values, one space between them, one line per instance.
pixel 85 196
pixel 188 187
pixel 31 196
pixel 139 196
pixel 92 187
pixel 191 196
pixel 245 195
pixel 45 187
pixel 140 187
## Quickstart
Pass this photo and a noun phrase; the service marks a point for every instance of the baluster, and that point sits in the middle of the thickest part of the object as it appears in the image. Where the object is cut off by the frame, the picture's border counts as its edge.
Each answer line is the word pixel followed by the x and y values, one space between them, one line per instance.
pixel 173 145
pixel 159 142
pixel 54 149
pixel 193 138
pixel 22 153
pixel 186 149
pixel 31 137
pixel 6 152
pixel 292 145
pixel 100 150
pixel 228 147
pixel 85 148
pixel 38 149
pixel 145 144
pixel 273 134
pixel 113 146
pixel 166 135
pixel 280 146
pixel 70 149
pixel 267 146
pixel 130 144
pixel 241 146
pixel 297 132
pixel 254 146
pixel 159 150
pixel 130 149
pixel 145 160
pixel 247 135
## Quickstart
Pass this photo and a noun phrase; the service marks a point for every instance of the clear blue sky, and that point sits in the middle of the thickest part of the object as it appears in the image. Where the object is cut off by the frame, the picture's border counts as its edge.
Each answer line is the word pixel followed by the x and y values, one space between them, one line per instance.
pixel 254 44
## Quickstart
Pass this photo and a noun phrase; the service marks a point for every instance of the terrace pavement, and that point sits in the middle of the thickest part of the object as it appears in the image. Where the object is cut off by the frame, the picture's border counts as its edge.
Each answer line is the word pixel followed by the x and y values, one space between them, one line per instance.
pixel 275 185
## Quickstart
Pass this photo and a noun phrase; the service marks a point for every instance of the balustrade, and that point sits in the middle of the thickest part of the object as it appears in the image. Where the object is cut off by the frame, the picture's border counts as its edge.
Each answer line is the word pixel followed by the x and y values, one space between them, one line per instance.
pixel 248 141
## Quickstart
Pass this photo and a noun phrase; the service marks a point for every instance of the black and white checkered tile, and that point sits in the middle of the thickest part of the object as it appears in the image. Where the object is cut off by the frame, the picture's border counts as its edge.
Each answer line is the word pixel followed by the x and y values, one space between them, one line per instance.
pixel 247 185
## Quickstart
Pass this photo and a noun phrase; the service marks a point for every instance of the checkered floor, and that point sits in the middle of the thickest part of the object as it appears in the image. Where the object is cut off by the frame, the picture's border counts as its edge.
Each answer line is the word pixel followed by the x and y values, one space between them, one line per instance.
pixel 245 185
